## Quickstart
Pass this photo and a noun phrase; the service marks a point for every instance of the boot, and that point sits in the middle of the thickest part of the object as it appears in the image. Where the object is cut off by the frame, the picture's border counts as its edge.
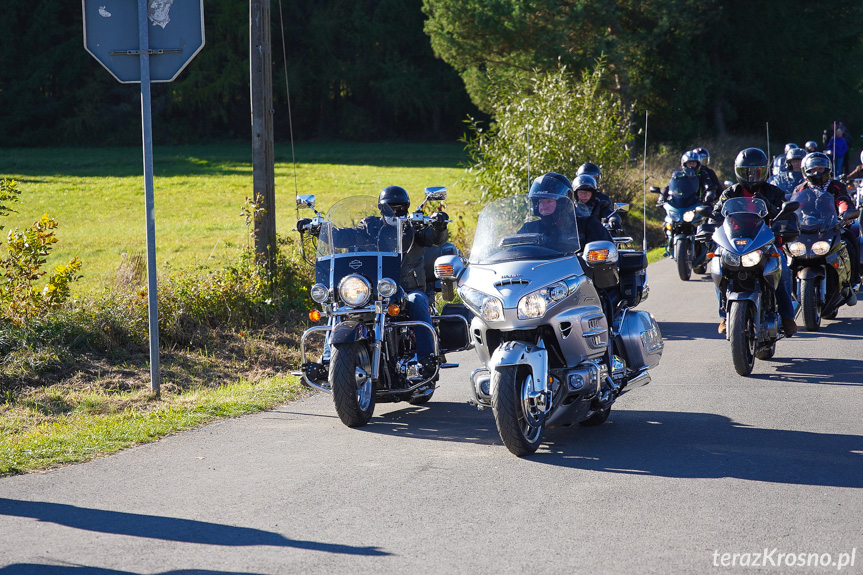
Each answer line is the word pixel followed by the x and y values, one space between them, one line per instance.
pixel 722 328
pixel 789 325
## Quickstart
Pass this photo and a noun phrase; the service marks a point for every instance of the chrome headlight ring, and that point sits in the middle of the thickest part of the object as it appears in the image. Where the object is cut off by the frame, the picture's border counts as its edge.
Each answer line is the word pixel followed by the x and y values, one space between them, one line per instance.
pixel 355 290
pixel 387 287
pixel 320 293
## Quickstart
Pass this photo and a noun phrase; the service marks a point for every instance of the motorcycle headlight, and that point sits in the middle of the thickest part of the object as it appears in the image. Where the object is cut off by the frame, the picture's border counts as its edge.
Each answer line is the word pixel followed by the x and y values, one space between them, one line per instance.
pixel 489 307
pixel 675 217
pixel 820 248
pixel 355 290
pixel 729 259
pixel 319 293
pixel 535 304
pixel 387 287
pixel 751 259
pixel 797 249
pixel 689 216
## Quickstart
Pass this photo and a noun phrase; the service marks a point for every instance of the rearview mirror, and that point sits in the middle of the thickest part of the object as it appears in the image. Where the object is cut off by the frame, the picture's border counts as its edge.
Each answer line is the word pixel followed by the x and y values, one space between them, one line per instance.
pixel 306 201
pixel 621 208
pixel 654 190
pixel 727 183
pixel 436 193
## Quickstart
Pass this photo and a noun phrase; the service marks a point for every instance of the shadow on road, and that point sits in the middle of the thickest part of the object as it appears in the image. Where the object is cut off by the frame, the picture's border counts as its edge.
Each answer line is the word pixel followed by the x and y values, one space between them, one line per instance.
pixel 165 528
pixel 683 331
pixel 818 371
pixel 705 445
pixel 39 569
pixel 662 443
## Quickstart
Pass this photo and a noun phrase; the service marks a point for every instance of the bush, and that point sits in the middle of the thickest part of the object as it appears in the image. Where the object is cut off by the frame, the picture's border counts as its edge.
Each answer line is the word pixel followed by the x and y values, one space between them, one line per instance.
pixel 563 122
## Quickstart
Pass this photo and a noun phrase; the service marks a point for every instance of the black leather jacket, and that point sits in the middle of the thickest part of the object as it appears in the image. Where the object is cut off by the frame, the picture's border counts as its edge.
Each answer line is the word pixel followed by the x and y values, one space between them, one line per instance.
pixel 413 276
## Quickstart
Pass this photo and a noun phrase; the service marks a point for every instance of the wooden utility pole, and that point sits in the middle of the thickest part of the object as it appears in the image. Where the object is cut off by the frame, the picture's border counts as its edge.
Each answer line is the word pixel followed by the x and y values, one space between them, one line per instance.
pixel 263 169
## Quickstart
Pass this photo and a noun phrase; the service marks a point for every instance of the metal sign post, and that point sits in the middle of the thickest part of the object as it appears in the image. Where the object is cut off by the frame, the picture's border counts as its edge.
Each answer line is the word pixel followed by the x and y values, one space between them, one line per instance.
pixel 172 31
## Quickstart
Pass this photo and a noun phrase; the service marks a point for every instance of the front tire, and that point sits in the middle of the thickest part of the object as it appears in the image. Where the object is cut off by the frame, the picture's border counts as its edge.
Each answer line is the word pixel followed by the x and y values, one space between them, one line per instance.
pixel 741 332
pixel 517 427
pixel 810 305
pixel 352 385
pixel 684 259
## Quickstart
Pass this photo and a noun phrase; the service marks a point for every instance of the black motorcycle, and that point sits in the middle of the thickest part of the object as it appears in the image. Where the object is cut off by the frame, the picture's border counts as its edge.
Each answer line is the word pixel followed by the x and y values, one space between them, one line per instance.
pixel 688 248
pixel 747 270
pixel 369 351
pixel 819 258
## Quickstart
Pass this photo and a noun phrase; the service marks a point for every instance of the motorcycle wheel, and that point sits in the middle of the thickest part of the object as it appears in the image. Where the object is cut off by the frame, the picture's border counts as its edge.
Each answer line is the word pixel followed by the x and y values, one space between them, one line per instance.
pixel 514 414
pixel 352 385
pixel 741 332
pixel 684 259
pixel 810 305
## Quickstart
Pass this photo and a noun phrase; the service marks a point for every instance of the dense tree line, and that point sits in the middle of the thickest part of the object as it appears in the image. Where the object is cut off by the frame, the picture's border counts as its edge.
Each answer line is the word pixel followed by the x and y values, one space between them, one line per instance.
pixel 366 69
pixel 358 69
pixel 699 66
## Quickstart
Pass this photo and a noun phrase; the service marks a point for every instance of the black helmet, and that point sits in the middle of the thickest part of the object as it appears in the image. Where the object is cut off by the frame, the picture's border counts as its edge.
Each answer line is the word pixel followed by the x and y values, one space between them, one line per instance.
pixel 590 169
pixel 691 156
pixel 810 166
pixel 751 168
pixel 811 146
pixel 793 154
pixel 584 182
pixel 550 185
pixel 396 198
pixel 704 156
pixel 790 146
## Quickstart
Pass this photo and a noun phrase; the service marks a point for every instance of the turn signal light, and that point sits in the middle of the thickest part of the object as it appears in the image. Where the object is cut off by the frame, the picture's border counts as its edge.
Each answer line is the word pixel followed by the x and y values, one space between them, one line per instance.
pixel 775 255
pixel 597 255
pixel 315 315
pixel 443 270
pixel 836 265
pixel 393 309
pixel 711 255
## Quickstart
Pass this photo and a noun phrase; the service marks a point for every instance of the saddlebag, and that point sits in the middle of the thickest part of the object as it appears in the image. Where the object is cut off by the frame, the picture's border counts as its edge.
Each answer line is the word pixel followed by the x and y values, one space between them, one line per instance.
pixel 639 340
pixel 632 276
pixel 453 327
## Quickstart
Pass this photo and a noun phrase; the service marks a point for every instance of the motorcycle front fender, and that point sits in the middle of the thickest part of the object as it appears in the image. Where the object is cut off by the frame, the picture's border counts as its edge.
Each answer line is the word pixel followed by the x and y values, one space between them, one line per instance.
pixel 513 353
pixel 752 296
pixel 811 273
pixel 348 331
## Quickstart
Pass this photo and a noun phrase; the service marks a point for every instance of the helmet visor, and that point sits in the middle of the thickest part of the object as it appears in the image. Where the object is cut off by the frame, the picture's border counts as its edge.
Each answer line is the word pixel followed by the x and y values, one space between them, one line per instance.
pixel 751 174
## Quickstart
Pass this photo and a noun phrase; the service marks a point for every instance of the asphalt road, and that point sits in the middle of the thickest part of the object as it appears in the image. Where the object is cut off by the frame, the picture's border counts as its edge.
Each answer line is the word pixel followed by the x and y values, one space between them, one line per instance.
pixel 699 464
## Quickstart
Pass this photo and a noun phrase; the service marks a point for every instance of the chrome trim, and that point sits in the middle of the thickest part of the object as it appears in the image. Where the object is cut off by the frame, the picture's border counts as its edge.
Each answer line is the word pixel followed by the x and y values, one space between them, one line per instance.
pixel 306 333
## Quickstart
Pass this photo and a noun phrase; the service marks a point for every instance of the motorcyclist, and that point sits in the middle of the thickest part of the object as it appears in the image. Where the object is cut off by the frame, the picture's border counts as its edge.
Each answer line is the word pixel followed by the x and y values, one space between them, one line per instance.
pixel 590 202
pixel 810 146
pixel 704 157
pixel 591 169
pixel 816 169
pixel 857 172
pixel 413 278
pixel 792 177
pixel 751 168
pixel 707 187
pixel 551 198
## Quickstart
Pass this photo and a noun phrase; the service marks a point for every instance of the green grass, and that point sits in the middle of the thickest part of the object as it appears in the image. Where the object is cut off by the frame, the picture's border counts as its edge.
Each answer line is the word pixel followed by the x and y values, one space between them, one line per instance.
pixel 97 195
pixel 56 426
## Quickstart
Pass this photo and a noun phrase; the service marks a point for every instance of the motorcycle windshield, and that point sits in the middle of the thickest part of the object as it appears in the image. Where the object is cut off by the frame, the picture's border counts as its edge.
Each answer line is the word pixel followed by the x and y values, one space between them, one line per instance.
pixel 817 211
pixel 683 191
pixel 357 224
pixel 744 205
pixel 535 227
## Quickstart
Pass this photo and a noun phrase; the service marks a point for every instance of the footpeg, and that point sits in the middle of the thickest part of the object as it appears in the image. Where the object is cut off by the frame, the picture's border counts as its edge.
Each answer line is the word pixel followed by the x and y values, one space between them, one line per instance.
pixel 448 365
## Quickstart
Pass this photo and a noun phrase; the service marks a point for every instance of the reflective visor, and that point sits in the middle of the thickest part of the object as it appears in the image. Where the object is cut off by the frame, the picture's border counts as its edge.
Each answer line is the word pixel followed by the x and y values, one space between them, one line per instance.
pixel 751 174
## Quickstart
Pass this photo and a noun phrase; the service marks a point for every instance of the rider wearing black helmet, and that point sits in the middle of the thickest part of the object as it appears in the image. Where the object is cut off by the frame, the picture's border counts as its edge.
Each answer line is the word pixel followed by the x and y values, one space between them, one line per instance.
pixel 708 183
pixel 792 176
pixel 413 278
pixel 811 146
pixel 591 202
pixel 816 169
pixel 551 196
pixel 751 168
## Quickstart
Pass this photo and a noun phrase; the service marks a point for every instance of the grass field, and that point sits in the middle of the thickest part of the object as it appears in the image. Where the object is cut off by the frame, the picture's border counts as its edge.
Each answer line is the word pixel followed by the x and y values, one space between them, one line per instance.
pixel 97 194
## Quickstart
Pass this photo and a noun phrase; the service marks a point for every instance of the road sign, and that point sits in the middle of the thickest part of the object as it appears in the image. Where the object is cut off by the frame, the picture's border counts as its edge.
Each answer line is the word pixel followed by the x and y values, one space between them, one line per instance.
pixel 175 28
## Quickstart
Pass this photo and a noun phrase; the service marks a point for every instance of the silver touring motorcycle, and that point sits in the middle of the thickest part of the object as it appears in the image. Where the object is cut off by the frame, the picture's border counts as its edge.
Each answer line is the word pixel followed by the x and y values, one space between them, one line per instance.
pixel 553 323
